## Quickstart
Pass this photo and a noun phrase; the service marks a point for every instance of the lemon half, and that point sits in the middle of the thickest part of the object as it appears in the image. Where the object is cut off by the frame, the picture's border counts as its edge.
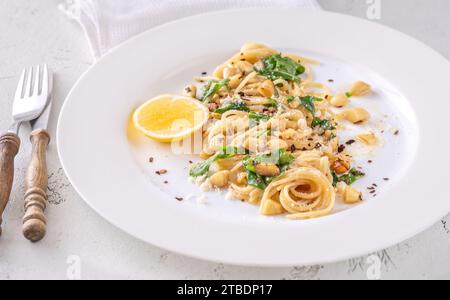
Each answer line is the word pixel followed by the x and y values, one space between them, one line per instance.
pixel 168 118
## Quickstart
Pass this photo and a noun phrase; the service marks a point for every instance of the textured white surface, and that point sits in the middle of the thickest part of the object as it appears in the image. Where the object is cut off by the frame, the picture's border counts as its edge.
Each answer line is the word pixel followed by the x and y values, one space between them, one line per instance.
pixel 34 32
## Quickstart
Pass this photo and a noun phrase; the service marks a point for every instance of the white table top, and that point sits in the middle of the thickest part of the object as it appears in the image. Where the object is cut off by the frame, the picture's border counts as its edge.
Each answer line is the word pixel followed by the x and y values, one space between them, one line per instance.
pixel 35 32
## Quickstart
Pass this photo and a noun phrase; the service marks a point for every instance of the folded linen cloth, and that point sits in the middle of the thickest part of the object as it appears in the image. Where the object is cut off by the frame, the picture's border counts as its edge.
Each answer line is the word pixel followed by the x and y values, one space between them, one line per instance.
pixel 108 23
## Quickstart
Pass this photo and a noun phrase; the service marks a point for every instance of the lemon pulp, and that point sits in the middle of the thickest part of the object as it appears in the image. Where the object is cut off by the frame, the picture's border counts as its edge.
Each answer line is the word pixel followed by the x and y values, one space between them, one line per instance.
pixel 169 117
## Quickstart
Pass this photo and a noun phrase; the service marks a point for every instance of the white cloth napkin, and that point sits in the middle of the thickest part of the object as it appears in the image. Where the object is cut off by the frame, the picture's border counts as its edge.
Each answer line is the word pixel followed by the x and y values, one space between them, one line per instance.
pixel 108 23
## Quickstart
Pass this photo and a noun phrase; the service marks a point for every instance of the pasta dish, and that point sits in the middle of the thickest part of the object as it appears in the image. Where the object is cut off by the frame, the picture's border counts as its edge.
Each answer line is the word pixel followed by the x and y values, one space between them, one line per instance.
pixel 272 138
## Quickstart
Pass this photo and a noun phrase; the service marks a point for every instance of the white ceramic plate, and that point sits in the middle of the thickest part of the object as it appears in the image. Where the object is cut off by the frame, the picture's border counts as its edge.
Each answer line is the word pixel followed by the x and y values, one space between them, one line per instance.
pixel 111 172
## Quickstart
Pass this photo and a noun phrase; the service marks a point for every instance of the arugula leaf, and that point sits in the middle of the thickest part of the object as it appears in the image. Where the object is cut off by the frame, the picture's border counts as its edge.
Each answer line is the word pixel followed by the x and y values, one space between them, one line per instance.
pixel 249 164
pixel 335 179
pixel 256 180
pixel 290 99
pixel 202 168
pixel 272 103
pixel 282 159
pixel 213 87
pixel 256 118
pixel 278 67
pixel 279 158
pixel 285 159
pixel 253 178
pixel 351 177
pixel 241 106
pixel 324 124
pixel 308 103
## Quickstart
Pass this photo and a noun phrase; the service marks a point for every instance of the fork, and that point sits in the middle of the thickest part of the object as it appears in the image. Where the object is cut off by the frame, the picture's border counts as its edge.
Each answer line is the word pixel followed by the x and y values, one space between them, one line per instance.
pixel 29 102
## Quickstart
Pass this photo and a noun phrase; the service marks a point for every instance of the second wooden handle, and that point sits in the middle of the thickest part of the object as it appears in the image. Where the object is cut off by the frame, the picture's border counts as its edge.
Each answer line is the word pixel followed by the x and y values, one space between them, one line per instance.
pixel 9 146
pixel 36 182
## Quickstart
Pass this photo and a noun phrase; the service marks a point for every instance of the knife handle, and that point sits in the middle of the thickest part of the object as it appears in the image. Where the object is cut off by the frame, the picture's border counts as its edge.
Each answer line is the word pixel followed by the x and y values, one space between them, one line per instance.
pixel 9 147
pixel 36 182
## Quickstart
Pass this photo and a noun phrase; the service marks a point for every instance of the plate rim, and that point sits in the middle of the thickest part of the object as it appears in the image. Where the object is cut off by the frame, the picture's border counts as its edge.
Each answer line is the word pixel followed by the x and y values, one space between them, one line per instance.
pixel 227 261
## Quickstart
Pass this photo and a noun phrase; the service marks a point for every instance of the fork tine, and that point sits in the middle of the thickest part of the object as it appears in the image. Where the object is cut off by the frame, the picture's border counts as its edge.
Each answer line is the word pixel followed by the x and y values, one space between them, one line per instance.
pixel 29 82
pixel 36 80
pixel 45 81
pixel 19 91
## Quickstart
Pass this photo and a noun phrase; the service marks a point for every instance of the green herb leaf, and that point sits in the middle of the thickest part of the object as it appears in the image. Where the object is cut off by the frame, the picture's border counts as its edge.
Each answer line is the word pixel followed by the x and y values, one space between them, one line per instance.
pixel 335 179
pixel 241 106
pixel 351 177
pixel 285 159
pixel 272 103
pixel 213 87
pixel 249 164
pixel 308 103
pixel 324 124
pixel 290 99
pixel 281 158
pixel 203 167
pixel 278 67
pixel 256 118
pixel 256 180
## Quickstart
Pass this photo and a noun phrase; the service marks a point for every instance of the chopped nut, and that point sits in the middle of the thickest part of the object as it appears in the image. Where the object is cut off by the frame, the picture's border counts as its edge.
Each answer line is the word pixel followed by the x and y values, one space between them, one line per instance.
pixel 161 172
pixel 220 179
pixel 190 91
pixel 212 106
pixel 242 178
pixel 340 167
pixel 359 89
pixel 351 195
pixel 368 138
pixel 340 100
pixel 355 115
pixel 267 169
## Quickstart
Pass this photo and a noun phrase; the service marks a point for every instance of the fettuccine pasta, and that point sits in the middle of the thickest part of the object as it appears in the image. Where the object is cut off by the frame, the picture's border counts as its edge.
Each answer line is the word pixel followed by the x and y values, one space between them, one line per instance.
pixel 272 137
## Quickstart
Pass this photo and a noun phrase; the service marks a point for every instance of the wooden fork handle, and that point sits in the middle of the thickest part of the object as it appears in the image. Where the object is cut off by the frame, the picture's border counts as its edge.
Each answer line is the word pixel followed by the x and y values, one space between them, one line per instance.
pixel 9 147
pixel 36 182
